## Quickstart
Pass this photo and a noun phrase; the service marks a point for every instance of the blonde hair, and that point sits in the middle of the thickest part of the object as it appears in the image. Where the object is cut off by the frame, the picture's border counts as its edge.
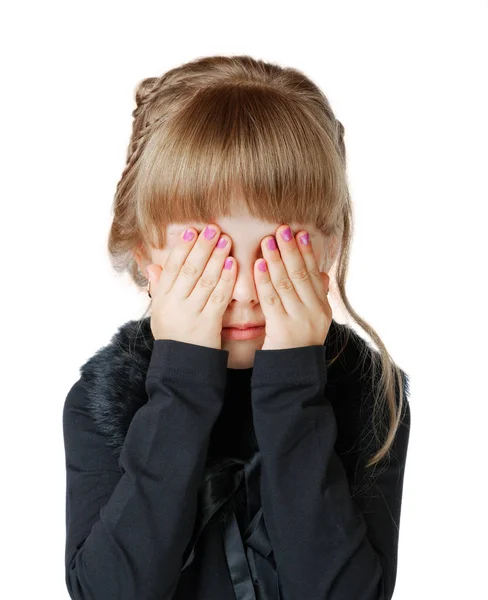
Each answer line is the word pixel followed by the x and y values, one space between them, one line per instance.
pixel 221 123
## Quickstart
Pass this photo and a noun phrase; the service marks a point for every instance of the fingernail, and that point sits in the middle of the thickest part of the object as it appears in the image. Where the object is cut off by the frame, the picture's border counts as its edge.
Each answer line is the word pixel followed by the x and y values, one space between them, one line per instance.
pixel 209 233
pixel 305 239
pixel 272 244
pixel 188 235
pixel 286 234
pixel 222 243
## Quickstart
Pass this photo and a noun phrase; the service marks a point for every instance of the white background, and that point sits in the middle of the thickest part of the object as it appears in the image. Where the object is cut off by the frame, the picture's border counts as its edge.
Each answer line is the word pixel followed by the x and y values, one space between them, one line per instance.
pixel 408 81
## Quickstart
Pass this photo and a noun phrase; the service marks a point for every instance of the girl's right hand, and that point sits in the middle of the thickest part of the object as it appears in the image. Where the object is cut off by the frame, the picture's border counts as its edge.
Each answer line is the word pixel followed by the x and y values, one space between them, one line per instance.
pixel 191 293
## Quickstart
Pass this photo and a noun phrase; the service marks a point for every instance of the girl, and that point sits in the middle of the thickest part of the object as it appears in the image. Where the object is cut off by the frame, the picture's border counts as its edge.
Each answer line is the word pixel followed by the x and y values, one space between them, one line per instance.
pixel 238 443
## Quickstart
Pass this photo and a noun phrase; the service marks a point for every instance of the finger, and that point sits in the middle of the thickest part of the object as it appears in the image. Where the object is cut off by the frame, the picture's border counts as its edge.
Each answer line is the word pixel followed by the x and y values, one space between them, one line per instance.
pixel 268 296
pixel 319 280
pixel 211 276
pixel 196 261
pixel 222 293
pixel 288 271
pixel 175 260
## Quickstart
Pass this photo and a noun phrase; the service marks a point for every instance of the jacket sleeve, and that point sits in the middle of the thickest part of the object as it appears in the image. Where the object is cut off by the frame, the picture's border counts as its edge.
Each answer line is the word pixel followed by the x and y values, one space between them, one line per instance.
pixel 129 520
pixel 328 543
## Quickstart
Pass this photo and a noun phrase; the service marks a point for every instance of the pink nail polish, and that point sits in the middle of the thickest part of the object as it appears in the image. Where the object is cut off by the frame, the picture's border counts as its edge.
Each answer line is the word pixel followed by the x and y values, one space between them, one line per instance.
pixel 209 233
pixel 188 235
pixel 305 239
pixel 222 243
pixel 286 234
pixel 262 266
pixel 272 244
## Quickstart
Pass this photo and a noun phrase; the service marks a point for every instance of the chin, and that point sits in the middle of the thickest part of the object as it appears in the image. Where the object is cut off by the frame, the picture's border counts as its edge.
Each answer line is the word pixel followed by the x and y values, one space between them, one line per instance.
pixel 252 343
pixel 241 353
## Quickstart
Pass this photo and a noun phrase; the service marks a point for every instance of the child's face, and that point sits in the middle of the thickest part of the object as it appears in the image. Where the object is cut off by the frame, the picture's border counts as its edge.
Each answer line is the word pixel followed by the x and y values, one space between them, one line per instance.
pixel 246 233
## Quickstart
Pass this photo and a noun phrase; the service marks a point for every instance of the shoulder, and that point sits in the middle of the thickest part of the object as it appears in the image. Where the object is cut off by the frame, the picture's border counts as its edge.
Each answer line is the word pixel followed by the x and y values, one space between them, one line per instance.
pixel 353 375
pixel 127 353
pixel 352 362
pixel 111 387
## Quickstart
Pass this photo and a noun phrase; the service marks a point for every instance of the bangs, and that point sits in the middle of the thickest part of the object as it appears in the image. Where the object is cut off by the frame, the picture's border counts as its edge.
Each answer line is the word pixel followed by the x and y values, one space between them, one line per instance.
pixel 245 139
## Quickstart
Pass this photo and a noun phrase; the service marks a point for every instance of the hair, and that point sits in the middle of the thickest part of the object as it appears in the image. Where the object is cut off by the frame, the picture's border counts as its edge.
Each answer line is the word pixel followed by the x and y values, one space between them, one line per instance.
pixel 219 124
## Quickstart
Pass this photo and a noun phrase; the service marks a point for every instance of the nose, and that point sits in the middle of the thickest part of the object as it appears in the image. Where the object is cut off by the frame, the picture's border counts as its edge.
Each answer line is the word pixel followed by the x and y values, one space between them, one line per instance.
pixel 245 287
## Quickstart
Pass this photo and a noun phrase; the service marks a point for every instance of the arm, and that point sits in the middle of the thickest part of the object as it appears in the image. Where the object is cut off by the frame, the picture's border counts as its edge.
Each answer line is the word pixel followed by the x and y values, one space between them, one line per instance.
pixel 128 521
pixel 327 544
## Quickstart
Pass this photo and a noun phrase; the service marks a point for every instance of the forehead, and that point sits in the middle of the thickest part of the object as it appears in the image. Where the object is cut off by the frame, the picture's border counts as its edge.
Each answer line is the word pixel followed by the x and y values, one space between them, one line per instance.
pixel 240 223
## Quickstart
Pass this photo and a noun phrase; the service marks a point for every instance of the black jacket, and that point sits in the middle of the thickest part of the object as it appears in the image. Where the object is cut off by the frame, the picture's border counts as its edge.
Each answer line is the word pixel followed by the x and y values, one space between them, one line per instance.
pixel 187 480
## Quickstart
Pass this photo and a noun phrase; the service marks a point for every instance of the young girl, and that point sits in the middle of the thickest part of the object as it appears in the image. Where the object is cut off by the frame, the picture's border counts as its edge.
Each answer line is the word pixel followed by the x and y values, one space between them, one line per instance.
pixel 238 443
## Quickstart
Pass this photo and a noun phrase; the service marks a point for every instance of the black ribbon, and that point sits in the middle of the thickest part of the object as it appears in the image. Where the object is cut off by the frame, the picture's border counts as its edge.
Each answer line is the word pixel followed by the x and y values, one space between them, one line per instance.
pixel 249 557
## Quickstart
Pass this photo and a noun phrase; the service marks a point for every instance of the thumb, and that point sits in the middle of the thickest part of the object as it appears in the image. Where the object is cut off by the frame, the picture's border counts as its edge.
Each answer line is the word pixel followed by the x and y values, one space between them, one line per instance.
pixel 153 273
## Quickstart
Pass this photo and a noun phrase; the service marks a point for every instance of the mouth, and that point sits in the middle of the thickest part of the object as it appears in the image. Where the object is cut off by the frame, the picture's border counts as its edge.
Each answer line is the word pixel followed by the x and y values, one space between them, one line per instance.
pixel 243 332
pixel 244 326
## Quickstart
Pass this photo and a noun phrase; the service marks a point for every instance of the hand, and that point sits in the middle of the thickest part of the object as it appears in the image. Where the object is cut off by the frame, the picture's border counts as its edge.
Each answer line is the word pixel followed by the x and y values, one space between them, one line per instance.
pixel 191 293
pixel 292 293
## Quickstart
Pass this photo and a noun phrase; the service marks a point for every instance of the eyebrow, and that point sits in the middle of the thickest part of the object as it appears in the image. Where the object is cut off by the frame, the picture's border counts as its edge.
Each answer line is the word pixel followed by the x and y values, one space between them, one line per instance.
pixel 293 224
pixel 177 228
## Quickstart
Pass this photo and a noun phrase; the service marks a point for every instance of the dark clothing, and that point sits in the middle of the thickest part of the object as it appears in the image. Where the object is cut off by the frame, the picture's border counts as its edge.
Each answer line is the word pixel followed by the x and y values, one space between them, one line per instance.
pixel 187 480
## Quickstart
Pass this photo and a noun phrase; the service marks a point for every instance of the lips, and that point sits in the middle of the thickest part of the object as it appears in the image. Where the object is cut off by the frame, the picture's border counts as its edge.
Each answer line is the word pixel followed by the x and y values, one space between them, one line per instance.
pixel 244 326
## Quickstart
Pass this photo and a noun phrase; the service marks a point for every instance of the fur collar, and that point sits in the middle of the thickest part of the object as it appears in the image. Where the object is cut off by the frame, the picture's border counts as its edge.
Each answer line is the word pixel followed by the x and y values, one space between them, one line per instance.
pixel 115 383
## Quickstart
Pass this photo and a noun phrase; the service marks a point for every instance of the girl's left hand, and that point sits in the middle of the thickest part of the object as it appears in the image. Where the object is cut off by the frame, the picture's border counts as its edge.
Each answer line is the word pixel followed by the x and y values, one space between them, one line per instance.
pixel 292 293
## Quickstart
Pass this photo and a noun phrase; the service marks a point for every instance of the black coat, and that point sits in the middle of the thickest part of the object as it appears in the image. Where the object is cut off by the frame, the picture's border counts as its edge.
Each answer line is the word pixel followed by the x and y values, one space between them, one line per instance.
pixel 187 480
